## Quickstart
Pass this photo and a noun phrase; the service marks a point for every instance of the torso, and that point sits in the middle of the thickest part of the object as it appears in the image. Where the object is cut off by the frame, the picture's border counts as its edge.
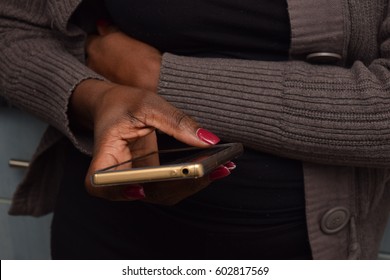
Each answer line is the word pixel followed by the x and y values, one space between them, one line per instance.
pixel 264 188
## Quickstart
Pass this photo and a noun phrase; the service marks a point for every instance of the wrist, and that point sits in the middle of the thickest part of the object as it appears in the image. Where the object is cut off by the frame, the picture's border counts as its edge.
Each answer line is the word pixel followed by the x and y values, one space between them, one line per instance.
pixel 83 102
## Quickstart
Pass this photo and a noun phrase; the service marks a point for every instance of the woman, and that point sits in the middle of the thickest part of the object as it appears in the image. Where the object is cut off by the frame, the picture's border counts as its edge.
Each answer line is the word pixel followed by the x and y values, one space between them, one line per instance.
pixel 315 96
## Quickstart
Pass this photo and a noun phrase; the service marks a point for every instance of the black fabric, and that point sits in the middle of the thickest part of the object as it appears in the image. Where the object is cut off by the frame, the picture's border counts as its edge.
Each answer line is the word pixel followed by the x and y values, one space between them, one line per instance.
pixel 86 227
pixel 245 29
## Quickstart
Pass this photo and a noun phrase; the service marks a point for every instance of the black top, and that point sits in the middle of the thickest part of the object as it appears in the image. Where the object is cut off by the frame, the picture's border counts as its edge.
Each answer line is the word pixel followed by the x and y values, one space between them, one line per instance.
pixel 264 189
pixel 245 29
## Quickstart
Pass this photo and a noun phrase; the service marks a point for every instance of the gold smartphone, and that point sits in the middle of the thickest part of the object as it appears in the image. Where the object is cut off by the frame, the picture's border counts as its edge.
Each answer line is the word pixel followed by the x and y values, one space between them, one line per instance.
pixel 174 164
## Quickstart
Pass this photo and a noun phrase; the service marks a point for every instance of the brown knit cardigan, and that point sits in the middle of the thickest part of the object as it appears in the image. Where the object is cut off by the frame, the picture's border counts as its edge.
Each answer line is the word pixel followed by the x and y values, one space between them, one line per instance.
pixel 334 117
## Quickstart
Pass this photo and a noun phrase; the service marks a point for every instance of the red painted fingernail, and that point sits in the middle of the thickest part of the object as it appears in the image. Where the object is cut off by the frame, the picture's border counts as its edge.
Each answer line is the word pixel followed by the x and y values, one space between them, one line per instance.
pixel 134 192
pixel 219 173
pixel 207 136
pixel 230 165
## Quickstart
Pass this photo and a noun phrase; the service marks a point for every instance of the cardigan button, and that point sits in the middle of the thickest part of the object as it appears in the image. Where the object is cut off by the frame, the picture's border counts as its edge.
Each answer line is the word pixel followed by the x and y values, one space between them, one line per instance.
pixel 323 58
pixel 335 220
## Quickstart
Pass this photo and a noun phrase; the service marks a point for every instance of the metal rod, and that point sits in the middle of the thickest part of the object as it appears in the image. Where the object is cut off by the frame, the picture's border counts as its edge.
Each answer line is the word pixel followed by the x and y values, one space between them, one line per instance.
pixel 18 163
pixel 5 200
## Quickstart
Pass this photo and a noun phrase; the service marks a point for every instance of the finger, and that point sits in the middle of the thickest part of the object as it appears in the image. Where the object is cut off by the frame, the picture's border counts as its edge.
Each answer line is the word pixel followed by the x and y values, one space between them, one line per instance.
pixel 89 49
pixel 89 42
pixel 112 150
pixel 106 156
pixel 219 173
pixel 104 27
pixel 176 123
pixel 145 146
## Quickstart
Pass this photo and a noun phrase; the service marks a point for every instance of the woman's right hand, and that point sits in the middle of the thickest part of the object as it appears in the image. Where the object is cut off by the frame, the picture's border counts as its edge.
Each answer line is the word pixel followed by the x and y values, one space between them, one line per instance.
pixel 123 120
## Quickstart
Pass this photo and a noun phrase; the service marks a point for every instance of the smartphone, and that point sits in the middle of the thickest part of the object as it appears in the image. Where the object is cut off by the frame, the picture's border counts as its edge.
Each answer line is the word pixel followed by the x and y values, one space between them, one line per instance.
pixel 173 164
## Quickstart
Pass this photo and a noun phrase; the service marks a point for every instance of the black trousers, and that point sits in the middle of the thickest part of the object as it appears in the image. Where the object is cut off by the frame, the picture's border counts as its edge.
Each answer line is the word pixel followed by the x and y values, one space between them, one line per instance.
pixel 86 227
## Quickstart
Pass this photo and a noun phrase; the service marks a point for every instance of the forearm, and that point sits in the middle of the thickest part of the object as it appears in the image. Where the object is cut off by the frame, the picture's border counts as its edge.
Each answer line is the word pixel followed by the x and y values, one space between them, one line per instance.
pixel 39 71
pixel 309 112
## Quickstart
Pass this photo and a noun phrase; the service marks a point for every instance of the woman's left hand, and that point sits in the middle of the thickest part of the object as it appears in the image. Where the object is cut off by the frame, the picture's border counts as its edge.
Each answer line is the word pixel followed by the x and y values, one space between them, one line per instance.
pixel 122 59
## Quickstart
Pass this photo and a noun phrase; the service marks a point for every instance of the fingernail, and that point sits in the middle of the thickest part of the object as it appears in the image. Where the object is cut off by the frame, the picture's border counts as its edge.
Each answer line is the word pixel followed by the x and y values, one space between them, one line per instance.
pixel 219 173
pixel 207 136
pixel 134 192
pixel 230 165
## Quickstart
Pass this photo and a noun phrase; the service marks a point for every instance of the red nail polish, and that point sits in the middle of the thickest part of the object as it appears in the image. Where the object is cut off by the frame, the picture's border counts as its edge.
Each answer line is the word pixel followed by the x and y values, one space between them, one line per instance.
pixel 219 173
pixel 207 136
pixel 134 192
pixel 230 165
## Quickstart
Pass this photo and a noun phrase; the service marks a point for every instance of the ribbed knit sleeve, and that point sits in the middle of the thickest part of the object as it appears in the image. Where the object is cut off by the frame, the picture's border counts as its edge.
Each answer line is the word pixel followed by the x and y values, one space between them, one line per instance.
pixel 38 70
pixel 326 114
